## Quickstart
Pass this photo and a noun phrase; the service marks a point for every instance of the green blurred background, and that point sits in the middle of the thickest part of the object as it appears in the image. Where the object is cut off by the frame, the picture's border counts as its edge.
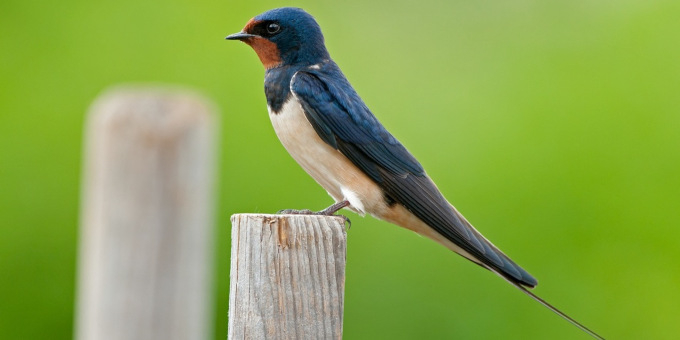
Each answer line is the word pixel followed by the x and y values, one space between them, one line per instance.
pixel 553 126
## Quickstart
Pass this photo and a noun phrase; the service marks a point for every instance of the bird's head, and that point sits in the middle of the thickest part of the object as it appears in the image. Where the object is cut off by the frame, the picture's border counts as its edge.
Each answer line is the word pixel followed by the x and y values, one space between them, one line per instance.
pixel 284 36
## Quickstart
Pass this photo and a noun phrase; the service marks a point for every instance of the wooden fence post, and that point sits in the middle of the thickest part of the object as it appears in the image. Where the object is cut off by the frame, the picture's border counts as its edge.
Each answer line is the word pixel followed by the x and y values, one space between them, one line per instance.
pixel 287 277
pixel 145 260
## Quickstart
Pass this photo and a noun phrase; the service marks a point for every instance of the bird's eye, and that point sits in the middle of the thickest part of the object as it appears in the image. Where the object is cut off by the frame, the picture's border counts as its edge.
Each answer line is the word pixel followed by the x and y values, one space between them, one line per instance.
pixel 273 28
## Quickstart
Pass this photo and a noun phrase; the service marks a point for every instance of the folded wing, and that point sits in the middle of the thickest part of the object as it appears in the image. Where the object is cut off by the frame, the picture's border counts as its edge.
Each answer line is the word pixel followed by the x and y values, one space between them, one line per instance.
pixel 343 121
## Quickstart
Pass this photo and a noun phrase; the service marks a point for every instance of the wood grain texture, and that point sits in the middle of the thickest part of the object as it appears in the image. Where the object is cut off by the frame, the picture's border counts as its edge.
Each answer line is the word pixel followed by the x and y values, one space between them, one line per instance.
pixel 287 278
pixel 145 260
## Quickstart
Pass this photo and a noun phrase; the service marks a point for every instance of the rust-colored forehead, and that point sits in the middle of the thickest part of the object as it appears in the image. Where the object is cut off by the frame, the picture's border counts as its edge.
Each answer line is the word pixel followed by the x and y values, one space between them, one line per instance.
pixel 250 25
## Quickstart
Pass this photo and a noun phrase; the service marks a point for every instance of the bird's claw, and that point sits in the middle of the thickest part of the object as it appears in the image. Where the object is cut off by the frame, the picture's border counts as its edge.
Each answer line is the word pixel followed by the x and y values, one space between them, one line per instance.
pixel 295 212
pixel 345 220
pixel 330 211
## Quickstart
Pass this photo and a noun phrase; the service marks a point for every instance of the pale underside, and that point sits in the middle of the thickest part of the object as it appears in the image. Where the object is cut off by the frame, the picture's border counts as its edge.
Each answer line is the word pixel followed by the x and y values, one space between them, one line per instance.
pixel 340 177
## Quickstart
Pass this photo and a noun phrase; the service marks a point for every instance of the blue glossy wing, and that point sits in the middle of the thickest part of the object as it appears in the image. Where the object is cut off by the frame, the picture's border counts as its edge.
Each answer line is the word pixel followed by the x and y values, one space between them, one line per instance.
pixel 343 121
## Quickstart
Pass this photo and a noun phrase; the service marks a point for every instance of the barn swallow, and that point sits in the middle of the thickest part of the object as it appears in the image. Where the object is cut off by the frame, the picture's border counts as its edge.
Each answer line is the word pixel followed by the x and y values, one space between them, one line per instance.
pixel 326 127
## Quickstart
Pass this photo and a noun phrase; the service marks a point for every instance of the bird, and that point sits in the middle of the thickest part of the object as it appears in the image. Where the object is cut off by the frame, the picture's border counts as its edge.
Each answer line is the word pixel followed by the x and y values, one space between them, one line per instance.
pixel 331 133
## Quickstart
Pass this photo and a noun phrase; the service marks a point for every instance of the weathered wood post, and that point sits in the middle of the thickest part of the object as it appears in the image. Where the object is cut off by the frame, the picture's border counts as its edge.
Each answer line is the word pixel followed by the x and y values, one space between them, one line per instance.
pixel 287 277
pixel 145 260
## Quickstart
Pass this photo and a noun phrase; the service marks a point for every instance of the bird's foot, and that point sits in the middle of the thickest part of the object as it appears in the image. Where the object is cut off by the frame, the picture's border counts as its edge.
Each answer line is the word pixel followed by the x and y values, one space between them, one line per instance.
pixel 330 211
pixel 295 212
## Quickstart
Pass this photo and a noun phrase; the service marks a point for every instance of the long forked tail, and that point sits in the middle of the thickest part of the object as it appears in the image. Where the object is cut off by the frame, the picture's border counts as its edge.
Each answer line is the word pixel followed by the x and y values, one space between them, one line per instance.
pixel 557 311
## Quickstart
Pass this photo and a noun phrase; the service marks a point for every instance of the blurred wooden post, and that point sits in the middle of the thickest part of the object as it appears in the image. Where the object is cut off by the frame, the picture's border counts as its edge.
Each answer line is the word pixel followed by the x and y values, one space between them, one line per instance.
pixel 145 261
pixel 287 277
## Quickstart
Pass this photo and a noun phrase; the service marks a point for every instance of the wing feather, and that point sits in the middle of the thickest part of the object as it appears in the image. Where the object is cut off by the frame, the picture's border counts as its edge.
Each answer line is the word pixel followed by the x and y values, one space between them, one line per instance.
pixel 343 121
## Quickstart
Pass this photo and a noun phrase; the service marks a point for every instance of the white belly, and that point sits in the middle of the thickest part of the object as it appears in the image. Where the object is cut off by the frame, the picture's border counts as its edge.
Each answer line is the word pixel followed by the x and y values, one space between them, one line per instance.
pixel 342 179
pixel 328 166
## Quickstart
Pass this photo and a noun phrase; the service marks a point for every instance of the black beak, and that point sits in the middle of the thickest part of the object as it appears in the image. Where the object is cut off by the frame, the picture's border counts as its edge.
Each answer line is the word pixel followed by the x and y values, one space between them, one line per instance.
pixel 240 36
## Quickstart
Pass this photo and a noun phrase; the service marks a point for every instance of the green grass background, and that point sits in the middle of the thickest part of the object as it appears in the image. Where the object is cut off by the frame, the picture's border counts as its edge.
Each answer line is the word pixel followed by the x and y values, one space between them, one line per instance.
pixel 553 126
